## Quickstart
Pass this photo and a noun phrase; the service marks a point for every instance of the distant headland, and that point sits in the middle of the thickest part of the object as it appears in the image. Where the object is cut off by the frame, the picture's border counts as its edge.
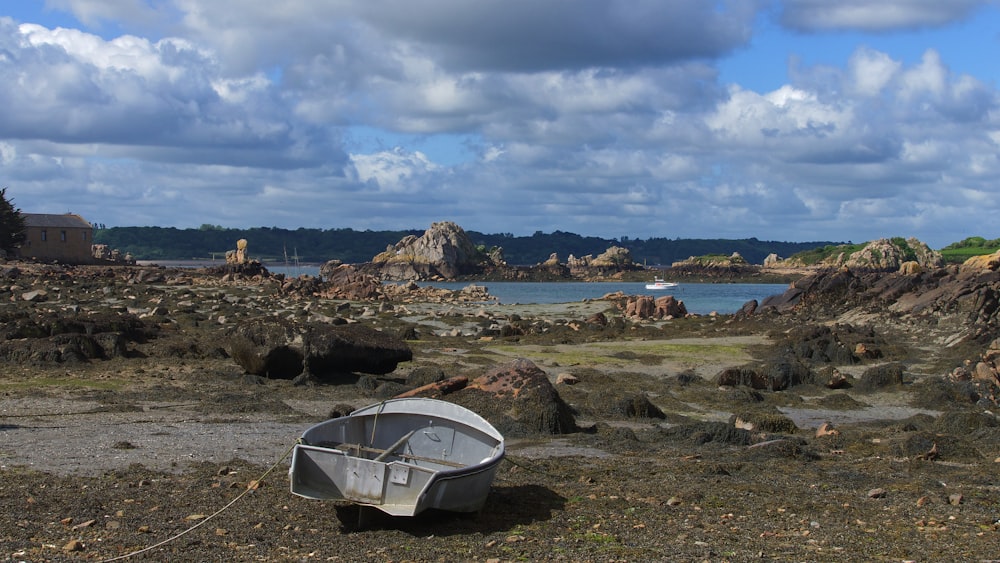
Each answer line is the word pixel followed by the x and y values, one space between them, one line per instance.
pixel 317 246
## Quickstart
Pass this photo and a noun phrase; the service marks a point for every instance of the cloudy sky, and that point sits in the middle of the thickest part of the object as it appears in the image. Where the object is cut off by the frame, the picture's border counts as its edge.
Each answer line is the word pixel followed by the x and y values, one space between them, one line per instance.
pixel 794 120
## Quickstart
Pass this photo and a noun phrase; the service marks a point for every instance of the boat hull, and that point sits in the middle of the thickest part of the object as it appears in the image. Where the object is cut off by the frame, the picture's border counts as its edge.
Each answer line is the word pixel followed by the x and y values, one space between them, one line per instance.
pixel 660 283
pixel 401 456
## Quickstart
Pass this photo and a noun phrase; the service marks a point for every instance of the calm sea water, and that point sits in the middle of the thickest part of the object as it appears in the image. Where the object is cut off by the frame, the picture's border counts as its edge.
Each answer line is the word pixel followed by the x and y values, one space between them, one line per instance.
pixel 699 298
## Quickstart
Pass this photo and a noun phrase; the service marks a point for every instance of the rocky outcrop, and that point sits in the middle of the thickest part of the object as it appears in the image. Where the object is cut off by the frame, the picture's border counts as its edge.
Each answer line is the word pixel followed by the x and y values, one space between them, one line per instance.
pixel 410 292
pixel 713 260
pixel 551 268
pixel 955 309
pixel 641 307
pixel 645 307
pixel 284 349
pixel 889 255
pixel 910 256
pixel 69 339
pixel 982 263
pixel 444 251
pixel 248 269
pixel 986 368
pixel 349 282
pixel 614 259
pixel 965 299
pixel 101 253
pixel 981 375
pixel 344 281
pixel 808 353
pixel 714 266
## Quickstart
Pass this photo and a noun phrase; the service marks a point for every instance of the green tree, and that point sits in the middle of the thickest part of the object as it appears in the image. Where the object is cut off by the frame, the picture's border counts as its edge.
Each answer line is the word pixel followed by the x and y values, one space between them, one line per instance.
pixel 11 225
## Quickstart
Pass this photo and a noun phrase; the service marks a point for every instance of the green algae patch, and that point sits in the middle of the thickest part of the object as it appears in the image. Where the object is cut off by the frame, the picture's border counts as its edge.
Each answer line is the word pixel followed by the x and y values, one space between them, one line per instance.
pixel 643 352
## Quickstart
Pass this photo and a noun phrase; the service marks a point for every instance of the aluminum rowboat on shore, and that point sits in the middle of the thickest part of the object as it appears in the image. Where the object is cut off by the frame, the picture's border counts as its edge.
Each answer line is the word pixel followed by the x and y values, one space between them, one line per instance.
pixel 401 456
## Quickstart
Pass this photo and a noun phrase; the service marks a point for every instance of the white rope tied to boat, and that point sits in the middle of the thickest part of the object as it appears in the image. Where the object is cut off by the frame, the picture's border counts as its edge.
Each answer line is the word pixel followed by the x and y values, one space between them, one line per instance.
pixel 251 486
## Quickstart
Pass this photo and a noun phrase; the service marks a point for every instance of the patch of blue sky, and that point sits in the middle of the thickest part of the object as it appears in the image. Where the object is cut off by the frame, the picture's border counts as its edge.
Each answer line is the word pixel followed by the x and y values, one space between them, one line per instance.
pixel 968 47
pixel 445 149
pixel 35 11
pixel 42 13
pixel 761 66
pixel 275 74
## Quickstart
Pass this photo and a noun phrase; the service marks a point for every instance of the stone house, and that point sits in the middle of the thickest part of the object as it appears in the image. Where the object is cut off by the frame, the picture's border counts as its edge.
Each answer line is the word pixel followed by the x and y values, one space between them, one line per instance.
pixel 60 238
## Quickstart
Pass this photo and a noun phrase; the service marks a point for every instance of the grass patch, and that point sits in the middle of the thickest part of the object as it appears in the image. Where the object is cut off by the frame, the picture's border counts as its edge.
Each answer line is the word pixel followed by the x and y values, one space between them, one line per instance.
pixel 599 538
pixel 817 255
pixel 958 252
pixel 959 255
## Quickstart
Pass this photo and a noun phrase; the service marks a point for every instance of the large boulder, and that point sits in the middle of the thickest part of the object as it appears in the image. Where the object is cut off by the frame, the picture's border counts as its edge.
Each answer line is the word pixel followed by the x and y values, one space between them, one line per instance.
pixel 838 344
pixel 640 307
pixel 518 399
pixel 444 251
pixel 878 377
pixel 984 262
pixel 624 405
pixel 615 257
pixel 284 349
pixel 774 375
pixel 344 281
pixel 669 307
pixel 783 301
pixel 646 307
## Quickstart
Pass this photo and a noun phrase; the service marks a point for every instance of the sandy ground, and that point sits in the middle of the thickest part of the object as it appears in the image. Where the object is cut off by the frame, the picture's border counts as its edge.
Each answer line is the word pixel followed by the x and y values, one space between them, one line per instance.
pixel 69 432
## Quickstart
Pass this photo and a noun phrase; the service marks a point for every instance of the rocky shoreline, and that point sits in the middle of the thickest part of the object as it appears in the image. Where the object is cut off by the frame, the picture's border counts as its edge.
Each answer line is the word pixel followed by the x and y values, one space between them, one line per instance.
pixel 853 417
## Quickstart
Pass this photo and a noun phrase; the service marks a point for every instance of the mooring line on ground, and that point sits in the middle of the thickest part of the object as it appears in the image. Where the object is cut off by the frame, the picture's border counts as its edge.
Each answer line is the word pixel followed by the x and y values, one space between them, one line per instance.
pixel 251 486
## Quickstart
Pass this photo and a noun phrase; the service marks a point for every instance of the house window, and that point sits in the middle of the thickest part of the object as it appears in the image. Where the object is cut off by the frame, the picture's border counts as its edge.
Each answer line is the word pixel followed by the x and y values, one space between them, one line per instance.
pixel 84 233
pixel 62 236
pixel 45 235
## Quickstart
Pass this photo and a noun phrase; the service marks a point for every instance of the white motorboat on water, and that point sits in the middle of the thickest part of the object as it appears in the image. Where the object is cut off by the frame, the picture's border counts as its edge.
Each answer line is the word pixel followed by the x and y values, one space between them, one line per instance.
pixel 401 456
pixel 659 283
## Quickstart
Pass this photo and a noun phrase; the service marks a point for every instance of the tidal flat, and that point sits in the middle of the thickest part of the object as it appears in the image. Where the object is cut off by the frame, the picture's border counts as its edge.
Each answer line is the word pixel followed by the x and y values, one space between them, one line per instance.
pixel 148 455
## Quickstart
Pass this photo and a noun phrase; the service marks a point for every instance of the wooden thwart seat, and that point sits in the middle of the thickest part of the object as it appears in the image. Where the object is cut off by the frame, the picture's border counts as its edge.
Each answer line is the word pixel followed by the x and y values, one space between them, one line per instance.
pixel 358 449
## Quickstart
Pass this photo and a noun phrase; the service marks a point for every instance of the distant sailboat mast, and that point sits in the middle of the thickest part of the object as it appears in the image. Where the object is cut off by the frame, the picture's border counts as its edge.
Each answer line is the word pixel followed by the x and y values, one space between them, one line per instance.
pixel 295 260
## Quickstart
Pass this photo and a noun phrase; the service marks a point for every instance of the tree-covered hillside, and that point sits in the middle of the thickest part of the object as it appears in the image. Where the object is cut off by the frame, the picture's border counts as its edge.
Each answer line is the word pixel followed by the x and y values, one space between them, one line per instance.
pixel 265 243
pixel 348 245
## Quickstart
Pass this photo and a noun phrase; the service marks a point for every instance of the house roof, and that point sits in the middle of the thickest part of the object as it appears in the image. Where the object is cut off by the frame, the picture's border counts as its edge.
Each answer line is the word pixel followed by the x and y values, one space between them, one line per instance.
pixel 65 221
